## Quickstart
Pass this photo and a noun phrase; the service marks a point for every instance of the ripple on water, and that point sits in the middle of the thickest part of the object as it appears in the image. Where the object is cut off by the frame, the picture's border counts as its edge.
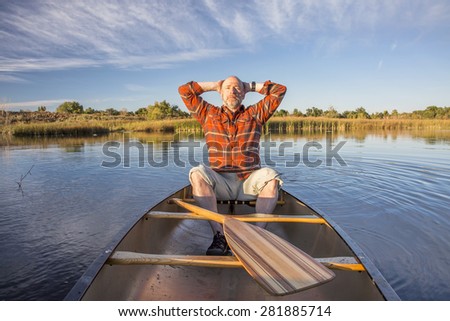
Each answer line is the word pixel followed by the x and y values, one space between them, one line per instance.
pixel 392 198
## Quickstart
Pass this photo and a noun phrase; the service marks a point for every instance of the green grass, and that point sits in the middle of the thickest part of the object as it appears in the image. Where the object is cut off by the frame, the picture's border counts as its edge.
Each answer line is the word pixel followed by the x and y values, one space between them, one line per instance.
pixel 283 125
pixel 55 129
pixel 98 127
pixel 293 125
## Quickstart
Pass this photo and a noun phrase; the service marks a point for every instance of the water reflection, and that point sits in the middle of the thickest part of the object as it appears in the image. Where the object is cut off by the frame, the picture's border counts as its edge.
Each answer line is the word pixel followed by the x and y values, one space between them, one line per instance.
pixel 392 199
pixel 430 136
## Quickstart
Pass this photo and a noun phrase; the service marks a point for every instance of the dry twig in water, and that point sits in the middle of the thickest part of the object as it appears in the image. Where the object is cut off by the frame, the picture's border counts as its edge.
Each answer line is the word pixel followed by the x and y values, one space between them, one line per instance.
pixel 22 177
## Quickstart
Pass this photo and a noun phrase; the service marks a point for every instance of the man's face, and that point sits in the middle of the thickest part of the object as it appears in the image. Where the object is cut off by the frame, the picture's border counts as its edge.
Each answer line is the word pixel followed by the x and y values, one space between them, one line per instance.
pixel 232 92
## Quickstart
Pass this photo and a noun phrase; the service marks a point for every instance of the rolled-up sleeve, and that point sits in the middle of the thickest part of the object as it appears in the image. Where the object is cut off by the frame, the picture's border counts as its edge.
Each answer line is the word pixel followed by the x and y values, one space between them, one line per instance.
pixel 190 94
pixel 265 108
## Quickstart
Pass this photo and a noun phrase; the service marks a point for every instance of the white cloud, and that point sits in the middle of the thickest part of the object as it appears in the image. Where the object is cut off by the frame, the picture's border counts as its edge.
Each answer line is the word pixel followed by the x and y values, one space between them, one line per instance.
pixel 58 35
pixel 33 104
pixel 37 64
pixel 12 79
pixel 61 35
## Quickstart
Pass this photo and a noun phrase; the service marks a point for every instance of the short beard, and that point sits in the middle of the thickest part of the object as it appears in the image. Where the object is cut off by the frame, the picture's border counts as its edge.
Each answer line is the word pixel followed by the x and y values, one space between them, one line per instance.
pixel 233 106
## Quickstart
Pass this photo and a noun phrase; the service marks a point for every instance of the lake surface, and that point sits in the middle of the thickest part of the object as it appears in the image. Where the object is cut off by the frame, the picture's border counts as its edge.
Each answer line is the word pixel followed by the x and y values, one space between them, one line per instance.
pixel 390 191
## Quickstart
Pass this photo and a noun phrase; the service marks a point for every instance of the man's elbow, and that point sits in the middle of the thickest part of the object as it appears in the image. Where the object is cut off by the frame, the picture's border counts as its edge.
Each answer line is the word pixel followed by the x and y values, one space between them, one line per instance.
pixel 182 90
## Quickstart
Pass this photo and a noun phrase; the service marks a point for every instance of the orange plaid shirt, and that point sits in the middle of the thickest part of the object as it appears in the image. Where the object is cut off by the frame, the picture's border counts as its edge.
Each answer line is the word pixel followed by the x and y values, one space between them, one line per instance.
pixel 233 138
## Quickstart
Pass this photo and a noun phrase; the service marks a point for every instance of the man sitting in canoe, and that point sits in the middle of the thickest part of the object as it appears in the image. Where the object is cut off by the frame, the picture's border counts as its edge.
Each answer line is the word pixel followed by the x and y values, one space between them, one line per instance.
pixel 232 134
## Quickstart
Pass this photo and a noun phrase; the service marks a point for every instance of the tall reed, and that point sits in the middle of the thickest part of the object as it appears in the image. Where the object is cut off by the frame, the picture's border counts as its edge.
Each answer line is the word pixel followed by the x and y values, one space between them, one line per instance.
pixel 282 125
pixel 55 129
pixel 293 125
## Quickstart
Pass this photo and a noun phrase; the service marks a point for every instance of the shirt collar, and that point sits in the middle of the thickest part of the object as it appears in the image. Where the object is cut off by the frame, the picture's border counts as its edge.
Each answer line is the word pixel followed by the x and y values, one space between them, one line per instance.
pixel 230 113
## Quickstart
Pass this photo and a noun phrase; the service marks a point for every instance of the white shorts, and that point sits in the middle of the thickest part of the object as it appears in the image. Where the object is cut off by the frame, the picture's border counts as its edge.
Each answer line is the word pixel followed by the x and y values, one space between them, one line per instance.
pixel 227 186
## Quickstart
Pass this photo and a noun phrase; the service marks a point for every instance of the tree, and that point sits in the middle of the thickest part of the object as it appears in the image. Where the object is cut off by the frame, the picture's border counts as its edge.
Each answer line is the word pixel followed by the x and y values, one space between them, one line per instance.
pixel 42 108
pixel 141 111
pixel 349 114
pixel 281 113
pixel 163 110
pixel 178 113
pixel 331 113
pixel 394 114
pixel 112 111
pixel 159 110
pixel 90 110
pixel 297 113
pixel 377 115
pixel 431 112
pixel 361 113
pixel 314 112
pixel 70 107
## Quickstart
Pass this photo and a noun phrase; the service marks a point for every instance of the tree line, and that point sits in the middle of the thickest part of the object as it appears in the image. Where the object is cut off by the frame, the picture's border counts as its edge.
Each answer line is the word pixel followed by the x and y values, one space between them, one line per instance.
pixel 431 112
pixel 157 111
pixel 164 110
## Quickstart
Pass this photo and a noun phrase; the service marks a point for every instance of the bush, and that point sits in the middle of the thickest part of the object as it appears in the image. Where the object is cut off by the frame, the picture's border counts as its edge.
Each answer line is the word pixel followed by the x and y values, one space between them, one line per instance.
pixel 70 107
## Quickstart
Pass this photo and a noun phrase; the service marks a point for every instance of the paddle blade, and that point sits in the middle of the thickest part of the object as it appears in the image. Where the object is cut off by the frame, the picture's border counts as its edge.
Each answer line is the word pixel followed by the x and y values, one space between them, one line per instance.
pixel 277 265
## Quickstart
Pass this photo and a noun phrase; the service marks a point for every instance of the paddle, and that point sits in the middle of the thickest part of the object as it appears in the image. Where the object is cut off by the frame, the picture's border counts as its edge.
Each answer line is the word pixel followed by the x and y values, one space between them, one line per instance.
pixel 277 265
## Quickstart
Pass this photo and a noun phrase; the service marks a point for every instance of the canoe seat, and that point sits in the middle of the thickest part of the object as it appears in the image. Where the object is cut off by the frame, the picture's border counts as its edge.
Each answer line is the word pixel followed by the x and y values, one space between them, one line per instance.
pixel 135 258
pixel 188 197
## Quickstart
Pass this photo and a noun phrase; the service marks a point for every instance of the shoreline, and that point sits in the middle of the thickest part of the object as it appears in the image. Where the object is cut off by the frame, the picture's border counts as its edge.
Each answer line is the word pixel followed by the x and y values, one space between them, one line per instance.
pixel 83 126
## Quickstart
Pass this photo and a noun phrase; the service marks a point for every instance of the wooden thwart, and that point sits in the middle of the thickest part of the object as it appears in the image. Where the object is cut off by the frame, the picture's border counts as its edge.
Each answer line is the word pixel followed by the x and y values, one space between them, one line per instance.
pixel 134 258
pixel 270 218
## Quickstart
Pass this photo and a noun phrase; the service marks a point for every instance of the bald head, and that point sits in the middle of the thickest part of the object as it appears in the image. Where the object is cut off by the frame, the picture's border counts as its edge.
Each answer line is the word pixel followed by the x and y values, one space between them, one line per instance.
pixel 232 92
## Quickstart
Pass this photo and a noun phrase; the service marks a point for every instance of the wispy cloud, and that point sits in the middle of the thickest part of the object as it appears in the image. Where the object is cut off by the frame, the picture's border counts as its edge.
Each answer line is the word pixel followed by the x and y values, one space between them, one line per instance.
pixel 12 79
pixel 45 63
pixel 32 104
pixel 136 88
pixel 57 35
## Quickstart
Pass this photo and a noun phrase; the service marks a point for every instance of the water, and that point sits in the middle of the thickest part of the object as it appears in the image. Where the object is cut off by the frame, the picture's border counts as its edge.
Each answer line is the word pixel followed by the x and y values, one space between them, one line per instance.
pixel 391 197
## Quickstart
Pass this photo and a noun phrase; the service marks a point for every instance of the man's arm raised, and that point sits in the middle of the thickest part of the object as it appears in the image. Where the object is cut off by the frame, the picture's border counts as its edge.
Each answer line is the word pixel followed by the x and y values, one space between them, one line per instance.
pixel 191 95
pixel 274 94
pixel 211 85
pixel 248 87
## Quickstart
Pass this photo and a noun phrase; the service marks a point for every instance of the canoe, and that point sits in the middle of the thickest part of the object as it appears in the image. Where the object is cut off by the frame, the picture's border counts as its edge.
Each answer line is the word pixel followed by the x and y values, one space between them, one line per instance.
pixel 161 257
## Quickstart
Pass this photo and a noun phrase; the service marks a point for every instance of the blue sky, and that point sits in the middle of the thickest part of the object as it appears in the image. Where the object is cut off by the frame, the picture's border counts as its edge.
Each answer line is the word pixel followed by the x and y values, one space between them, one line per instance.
pixel 128 54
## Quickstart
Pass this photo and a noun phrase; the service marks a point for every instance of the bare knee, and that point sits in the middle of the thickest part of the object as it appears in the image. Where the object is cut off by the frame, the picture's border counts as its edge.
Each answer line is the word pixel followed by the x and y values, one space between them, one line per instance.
pixel 270 190
pixel 197 179
pixel 199 186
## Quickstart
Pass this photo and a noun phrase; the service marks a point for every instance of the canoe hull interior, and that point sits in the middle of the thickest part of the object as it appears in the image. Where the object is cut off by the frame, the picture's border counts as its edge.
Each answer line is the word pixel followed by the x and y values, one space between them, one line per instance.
pixel 191 237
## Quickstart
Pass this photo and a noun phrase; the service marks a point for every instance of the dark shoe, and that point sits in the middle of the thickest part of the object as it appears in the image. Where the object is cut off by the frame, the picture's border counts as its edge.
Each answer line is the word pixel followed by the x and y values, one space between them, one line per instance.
pixel 219 246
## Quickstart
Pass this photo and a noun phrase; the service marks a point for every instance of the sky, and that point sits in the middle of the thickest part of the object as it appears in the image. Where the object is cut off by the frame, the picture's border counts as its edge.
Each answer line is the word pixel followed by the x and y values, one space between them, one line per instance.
pixel 380 55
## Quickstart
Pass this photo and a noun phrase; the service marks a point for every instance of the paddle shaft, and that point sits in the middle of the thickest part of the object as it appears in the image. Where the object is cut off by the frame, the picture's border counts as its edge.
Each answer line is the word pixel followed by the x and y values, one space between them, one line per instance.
pixel 201 211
